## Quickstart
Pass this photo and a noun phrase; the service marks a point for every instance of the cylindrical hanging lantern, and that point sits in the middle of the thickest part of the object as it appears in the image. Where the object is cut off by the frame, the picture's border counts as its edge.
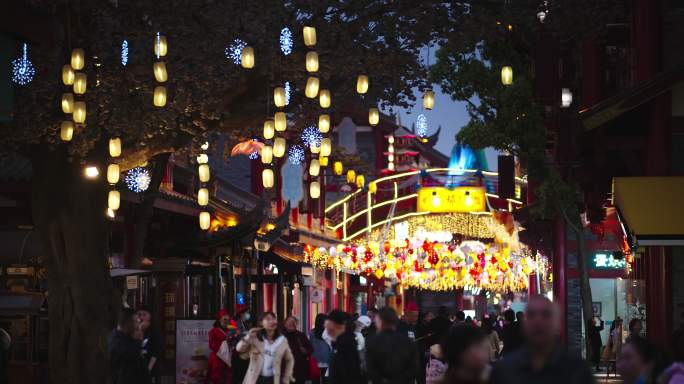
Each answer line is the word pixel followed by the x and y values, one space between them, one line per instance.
pixel 204 174
pixel 204 220
pixel 161 47
pixel 373 116
pixel 247 57
pixel 360 181
pixel 266 154
pixel 279 147
pixel 77 59
pixel 324 98
pixel 269 129
pixel 314 167
pixel 566 97
pixel 315 149
pixel 113 173
pixel 338 168
pixel 79 113
pixel 351 176
pixel 115 147
pixel 390 157
pixel 324 123
pixel 362 84
pixel 506 75
pixel 326 146
pixel 160 72
pixel 309 36
pixel 66 130
pixel 267 178
pixel 311 89
pixel 280 121
pixel 80 83
pixel 323 160
pixel 202 158
pixel 312 61
pixel 114 200
pixel 203 197
pixel 390 139
pixel 390 166
pixel 160 96
pixel 68 74
pixel 390 148
pixel 429 99
pixel 279 98
pixel 67 102
pixel 372 187
pixel 315 190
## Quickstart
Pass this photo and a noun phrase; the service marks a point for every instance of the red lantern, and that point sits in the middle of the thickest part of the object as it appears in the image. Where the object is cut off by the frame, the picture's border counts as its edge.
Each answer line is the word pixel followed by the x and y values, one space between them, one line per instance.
pixel 387 247
pixel 367 256
pixel 433 258
pixel 416 266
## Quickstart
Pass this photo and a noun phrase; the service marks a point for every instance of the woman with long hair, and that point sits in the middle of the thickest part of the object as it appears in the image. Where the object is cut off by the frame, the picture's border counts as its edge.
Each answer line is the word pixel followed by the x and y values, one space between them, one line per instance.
pixel 322 346
pixel 270 357
pixel 224 329
pixel 467 354
pixel 614 340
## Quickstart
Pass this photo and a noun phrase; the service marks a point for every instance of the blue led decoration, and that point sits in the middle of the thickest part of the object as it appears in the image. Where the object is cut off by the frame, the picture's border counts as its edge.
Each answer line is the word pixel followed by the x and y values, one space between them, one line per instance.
pixel 124 52
pixel 286 41
pixel 311 136
pixel 138 179
pixel 296 154
pixel 22 68
pixel 287 93
pixel 254 155
pixel 234 51
pixel 421 125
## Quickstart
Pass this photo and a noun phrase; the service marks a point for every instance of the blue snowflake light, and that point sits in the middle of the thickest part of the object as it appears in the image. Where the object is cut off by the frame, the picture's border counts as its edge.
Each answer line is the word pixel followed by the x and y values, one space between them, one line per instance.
pixel 286 41
pixel 234 51
pixel 254 155
pixel 296 154
pixel 421 125
pixel 311 136
pixel 287 93
pixel 22 68
pixel 124 52
pixel 138 179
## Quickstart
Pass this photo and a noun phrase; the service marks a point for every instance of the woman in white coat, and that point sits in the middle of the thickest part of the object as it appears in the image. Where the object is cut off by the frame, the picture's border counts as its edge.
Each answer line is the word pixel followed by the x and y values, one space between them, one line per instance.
pixel 270 358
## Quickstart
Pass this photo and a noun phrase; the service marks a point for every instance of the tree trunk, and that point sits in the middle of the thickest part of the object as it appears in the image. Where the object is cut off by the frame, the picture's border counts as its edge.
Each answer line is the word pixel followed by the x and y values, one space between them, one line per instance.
pixel 69 216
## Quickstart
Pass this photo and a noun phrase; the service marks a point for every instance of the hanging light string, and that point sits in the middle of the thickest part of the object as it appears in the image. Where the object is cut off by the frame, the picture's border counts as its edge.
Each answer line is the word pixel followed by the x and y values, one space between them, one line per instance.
pixel 23 70
pixel 159 68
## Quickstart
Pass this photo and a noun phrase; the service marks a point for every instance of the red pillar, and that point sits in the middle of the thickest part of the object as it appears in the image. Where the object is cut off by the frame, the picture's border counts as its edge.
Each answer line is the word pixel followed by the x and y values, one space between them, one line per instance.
pixel 559 278
pixel 658 275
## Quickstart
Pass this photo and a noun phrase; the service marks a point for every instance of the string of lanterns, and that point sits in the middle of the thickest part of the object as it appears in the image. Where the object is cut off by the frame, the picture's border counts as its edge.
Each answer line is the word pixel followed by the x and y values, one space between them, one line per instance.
pixel 203 192
pixel 160 74
pixel 113 175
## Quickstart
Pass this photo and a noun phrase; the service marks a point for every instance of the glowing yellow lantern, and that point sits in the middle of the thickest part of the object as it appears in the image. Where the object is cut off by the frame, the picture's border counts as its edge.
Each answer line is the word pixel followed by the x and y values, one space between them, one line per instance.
pixel 315 149
pixel 160 71
pixel 338 168
pixel 203 197
pixel 309 36
pixel 77 59
pixel 266 154
pixel 267 178
pixel 351 176
pixel 202 158
pixel 66 130
pixel 324 98
pixel 323 160
pixel 79 113
pixel 114 200
pixel 314 167
pixel 115 147
pixel 280 121
pixel 507 75
pixel 80 83
pixel 360 181
pixel 159 96
pixel 326 146
pixel 429 100
pixel 362 84
pixel 324 123
pixel 373 116
pixel 204 220
pixel 67 102
pixel 204 174
pixel 311 89
pixel 315 190
pixel 279 98
pixel 161 47
pixel 373 187
pixel 311 61
pixel 247 57
pixel 113 173
pixel 269 129
pixel 279 147
pixel 68 74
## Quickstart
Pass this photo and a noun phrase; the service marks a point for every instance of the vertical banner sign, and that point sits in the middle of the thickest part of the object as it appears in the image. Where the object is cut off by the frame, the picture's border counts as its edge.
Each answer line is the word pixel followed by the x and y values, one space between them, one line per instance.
pixel 192 350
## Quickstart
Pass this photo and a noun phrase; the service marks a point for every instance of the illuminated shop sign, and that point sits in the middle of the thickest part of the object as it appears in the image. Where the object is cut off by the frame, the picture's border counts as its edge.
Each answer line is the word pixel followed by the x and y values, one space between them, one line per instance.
pixel 607 260
pixel 445 200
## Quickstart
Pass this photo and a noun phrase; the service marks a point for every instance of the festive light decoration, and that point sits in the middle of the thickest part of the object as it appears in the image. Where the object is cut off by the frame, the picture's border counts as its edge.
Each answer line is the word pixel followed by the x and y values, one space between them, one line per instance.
pixel 280 121
pixel 312 61
pixel 114 200
pixel 326 147
pixel 314 167
pixel 315 190
pixel 22 68
pixel 203 197
pixel 338 168
pixel 360 181
pixel 351 176
pixel 311 136
pixel 160 74
pixel 373 116
pixel 66 130
pixel 159 97
pixel 279 98
pixel 311 89
pixel 421 125
pixel 266 154
pixel 234 51
pixel 247 57
pixel 204 220
pixel 315 149
pixel 267 178
pixel 254 155
pixel 138 179
pixel 115 147
pixel 113 173
pixel 324 98
pixel 323 160
pixel 161 47
pixel 286 42
pixel 287 93
pixel 566 97
pixel 124 53
pixel 77 59
pixel 67 102
pixel 309 36
pixel 79 113
pixel 204 173
pixel 80 83
pixel 269 129
pixel 429 99
pixel 324 123
pixel 362 84
pixel 296 154
pixel 279 147
pixel 202 158
pixel 91 172
pixel 506 75
pixel 68 75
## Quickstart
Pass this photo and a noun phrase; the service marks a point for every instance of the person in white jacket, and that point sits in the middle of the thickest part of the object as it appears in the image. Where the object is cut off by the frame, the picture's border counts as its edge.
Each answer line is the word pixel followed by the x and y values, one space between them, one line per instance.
pixel 270 357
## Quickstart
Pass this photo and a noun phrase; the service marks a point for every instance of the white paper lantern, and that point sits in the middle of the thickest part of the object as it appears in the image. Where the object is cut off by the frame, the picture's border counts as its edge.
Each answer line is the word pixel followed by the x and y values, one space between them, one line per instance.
pixel 315 149
pixel 269 129
pixel 267 178
pixel 279 98
pixel 159 96
pixel 204 174
pixel 161 46
pixel 280 121
pixel 324 123
pixel 266 154
pixel 113 173
pixel 80 83
pixel 309 36
pixel 373 116
pixel 311 61
pixel 566 97
pixel 202 158
pixel 362 84
pixel 160 72
pixel 311 89
pixel 203 197
pixel 68 74
pixel 79 113
pixel 279 147
pixel 506 75
pixel 115 147
pixel 315 190
pixel 326 147
pixel 247 57
pixel 66 130
pixel 324 98
pixel 204 220
pixel 314 167
pixel 113 200
pixel 68 102
pixel 77 59
pixel 429 100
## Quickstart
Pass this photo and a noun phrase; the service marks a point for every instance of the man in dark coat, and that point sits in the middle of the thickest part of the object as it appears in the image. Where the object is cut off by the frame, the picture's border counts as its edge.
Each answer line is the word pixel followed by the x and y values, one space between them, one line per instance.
pixel 391 357
pixel 439 326
pixel 345 362
pixel 125 352
pixel 512 334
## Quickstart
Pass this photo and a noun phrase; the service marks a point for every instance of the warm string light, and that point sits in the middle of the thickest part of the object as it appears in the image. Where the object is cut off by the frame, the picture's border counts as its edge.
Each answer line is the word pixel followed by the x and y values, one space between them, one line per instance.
pixel 159 68
pixel 203 192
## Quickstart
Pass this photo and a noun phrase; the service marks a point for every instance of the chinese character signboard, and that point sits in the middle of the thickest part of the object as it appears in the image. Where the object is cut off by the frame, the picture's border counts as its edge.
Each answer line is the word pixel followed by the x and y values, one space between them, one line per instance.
pixel 192 350
pixel 607 260
pixel 447 200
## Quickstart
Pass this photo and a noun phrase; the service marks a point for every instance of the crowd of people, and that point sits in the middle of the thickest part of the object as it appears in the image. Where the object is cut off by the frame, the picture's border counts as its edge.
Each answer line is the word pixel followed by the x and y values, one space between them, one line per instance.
pixel 381 348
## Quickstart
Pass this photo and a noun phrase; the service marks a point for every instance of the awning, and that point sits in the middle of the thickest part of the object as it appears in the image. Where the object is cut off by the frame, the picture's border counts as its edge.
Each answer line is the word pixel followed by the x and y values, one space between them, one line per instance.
pixel 651 209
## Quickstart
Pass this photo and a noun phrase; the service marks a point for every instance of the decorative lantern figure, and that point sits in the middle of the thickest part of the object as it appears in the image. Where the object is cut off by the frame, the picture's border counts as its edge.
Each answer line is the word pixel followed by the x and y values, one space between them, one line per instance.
pixel 311 89
pixel 115 147
pixel 326 147
pixel 203 197
pixel 324 98
pixel 161 47
pixel 160 72
pixel 309 36
pixel 373 116
pixel 314 167
pixel 351 176
pixel 280 121
pixel 507 75
pixel 68 102
pixel 79 114
pixel 202 158
pixel 312 61
pixel 373 187
pixel 204 220
pixel 324 123
pixel 338 168
pixel 269 129
pixel 362 84
pixel 267 178
pixel 429 100
pixel 266 154
pixel 80 83
pixel 279 98
pixel 360 181
pixel 279 147
pixel 247 57
pixel 204 174
pixel 160 96
pixel 66 130
pixel 114 200
pixel 68 74
pixel 566 97
pixel 113 173
pixel 315 190
pixel 77 59
pixel 323 160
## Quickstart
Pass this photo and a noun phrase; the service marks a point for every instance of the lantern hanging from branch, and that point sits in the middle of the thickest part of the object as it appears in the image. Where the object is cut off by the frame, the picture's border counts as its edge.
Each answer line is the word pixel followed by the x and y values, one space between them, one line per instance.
pixel 203 197
pixel 429 100
pixel 279 147
pixel 160 96
pixel 247 57
pixel 161 46
pixel 66 130
pixel 324 98
pixel 324 123
pixel 79 114
pixel 507 75
pixel 160 73
pixel 77 59
pixel 267 178
pixel 326 147
pixel 362 84
pixel 269 129
pixel 373 116
pixel 312 61
pixel 115 147
pixel 113 173
pixel 68 74
pixel 67 102
pixel 351 176
pixel 279 98
pixel 114 200
pixel 266 154
pixel 80 83
pixel 309 36
pixel 311 89
pixel 338 168
pixel 315 190
pixel 314 167
pixel 280 121
pixel 204 220
pixel 204 174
